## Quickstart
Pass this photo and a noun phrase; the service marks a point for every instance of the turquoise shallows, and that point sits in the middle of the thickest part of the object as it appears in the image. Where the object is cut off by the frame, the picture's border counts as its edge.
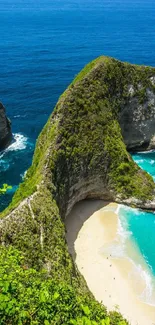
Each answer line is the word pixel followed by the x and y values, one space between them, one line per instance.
pixel 142 224
pixel 138 227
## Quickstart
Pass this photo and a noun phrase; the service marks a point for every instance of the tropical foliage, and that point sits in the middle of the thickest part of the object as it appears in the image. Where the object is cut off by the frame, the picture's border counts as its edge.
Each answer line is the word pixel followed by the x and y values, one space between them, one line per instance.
pixel 5 188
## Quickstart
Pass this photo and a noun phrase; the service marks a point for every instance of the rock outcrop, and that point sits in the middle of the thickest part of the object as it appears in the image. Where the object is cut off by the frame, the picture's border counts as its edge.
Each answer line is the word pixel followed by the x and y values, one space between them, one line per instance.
pixel 5 129
pixel 137 116
pixel 82 153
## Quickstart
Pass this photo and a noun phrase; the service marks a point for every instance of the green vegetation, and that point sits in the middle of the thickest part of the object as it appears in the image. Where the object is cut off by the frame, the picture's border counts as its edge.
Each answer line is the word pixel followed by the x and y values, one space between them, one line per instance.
pixel 86 321
pixel 31 297
pixel 88 69
pixel 80 153
pixel 5 188
pixel 90 140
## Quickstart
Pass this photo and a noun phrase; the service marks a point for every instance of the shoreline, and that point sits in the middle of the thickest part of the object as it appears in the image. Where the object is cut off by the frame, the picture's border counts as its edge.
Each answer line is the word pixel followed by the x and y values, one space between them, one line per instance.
pixel 92 226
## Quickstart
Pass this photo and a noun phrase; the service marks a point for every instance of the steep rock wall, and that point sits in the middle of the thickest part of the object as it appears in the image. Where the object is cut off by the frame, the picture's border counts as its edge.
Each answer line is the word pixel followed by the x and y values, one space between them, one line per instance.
pixel 5 129
pixel 137 118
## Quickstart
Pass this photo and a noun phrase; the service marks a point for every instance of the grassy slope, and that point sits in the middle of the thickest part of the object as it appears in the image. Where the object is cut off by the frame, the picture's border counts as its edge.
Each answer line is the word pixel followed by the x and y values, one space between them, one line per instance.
pixel 81 139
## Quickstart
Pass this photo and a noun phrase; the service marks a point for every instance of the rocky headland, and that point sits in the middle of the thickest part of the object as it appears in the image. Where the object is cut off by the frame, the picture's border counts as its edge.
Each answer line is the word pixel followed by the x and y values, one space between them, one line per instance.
pixel 83 152
pixel 5 129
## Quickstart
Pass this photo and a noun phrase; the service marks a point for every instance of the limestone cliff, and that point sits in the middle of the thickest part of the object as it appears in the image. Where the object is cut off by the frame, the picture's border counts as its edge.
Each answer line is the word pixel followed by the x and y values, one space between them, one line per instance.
pixel 5 129
pixel 81 153
pixel 137 116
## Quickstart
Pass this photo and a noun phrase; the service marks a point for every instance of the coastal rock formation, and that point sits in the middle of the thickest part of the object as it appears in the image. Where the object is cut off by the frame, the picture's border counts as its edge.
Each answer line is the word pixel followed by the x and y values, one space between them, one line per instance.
pixel 82 153
pixel 5 129
pixel 137 116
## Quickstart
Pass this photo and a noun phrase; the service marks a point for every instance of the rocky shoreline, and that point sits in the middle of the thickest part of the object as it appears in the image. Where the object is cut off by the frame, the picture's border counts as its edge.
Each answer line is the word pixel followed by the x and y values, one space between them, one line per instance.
pixel 5 129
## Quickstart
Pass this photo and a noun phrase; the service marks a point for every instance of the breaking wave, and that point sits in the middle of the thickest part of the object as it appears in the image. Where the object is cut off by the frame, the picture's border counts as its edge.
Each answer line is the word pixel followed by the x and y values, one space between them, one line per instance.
pixel 19 143
pixel 124 247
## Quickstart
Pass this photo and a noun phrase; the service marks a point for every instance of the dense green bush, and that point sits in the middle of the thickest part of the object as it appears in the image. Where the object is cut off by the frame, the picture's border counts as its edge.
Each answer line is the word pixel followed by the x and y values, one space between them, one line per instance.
pixel 33 298
pixel 5 188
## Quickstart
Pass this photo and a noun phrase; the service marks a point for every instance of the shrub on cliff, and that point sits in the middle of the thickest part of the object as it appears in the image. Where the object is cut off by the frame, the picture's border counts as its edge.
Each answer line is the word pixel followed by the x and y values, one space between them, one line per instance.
pixel 33 298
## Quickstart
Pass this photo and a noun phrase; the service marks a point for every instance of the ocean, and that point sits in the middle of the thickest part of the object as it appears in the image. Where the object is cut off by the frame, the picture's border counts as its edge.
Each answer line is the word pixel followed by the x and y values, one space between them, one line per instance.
pixel 43 45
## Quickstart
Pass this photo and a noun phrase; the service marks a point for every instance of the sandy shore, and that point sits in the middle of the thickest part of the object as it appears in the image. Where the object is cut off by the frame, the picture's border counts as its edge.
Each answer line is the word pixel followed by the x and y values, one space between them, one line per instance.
pixel 90 225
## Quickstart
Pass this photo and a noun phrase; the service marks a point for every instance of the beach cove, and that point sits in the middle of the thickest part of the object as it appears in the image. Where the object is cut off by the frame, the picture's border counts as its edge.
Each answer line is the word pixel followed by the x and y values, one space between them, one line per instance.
pixel 94 238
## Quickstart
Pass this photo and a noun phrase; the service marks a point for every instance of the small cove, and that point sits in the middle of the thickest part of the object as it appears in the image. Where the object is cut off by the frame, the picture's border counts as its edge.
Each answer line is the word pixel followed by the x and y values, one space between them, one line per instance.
pixel 110 260
pixel 131 250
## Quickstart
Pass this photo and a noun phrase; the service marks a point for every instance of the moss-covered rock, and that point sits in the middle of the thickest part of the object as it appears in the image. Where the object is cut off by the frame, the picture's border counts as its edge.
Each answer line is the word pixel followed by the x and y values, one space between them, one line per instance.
pixel 81 153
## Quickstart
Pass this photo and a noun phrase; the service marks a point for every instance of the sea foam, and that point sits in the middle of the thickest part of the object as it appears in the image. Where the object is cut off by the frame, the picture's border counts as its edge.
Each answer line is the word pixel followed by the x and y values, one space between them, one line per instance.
pixel 123 247
pixel 146 152
pixel 19 143
pixel 140 270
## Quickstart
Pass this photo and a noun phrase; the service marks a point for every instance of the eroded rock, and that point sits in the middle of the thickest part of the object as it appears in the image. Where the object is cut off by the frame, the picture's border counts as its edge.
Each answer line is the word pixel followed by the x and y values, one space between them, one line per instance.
pixel 5 129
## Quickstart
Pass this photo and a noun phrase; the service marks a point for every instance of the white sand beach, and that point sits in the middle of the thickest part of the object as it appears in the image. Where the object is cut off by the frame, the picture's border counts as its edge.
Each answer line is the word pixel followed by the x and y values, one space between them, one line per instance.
pixel 90 225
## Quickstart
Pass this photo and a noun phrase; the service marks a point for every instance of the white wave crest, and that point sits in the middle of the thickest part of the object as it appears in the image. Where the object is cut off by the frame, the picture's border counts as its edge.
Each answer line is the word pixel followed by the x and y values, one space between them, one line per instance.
pixel 152 162
pixel 125 208
pixel 139 271
pixel 20 143
pixel 139 161
pixel 118 209
pixel 122 231
pixel 146 295
pixel 117 248
pixel 143 275
pixel 122 247
pixel 145 152
pixel 23 175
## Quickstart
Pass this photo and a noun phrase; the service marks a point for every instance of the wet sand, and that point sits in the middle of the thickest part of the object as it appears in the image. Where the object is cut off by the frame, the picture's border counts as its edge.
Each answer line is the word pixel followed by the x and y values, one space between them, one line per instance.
pixel 90 226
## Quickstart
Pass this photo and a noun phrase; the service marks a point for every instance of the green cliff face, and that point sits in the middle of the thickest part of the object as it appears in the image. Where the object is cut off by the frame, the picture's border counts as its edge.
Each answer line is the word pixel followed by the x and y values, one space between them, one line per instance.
pixel 81 153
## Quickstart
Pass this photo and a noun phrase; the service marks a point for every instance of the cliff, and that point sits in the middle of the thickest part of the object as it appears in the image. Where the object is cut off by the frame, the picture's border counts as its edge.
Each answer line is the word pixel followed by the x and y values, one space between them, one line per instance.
pixel 82 153
pixel 5 129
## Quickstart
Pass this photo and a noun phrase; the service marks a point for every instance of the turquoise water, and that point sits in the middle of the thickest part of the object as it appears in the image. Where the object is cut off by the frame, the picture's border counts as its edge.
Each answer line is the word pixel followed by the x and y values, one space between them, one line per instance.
pixel 140 223
pixel 146 160
pixel 138 227
pixel 142 229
